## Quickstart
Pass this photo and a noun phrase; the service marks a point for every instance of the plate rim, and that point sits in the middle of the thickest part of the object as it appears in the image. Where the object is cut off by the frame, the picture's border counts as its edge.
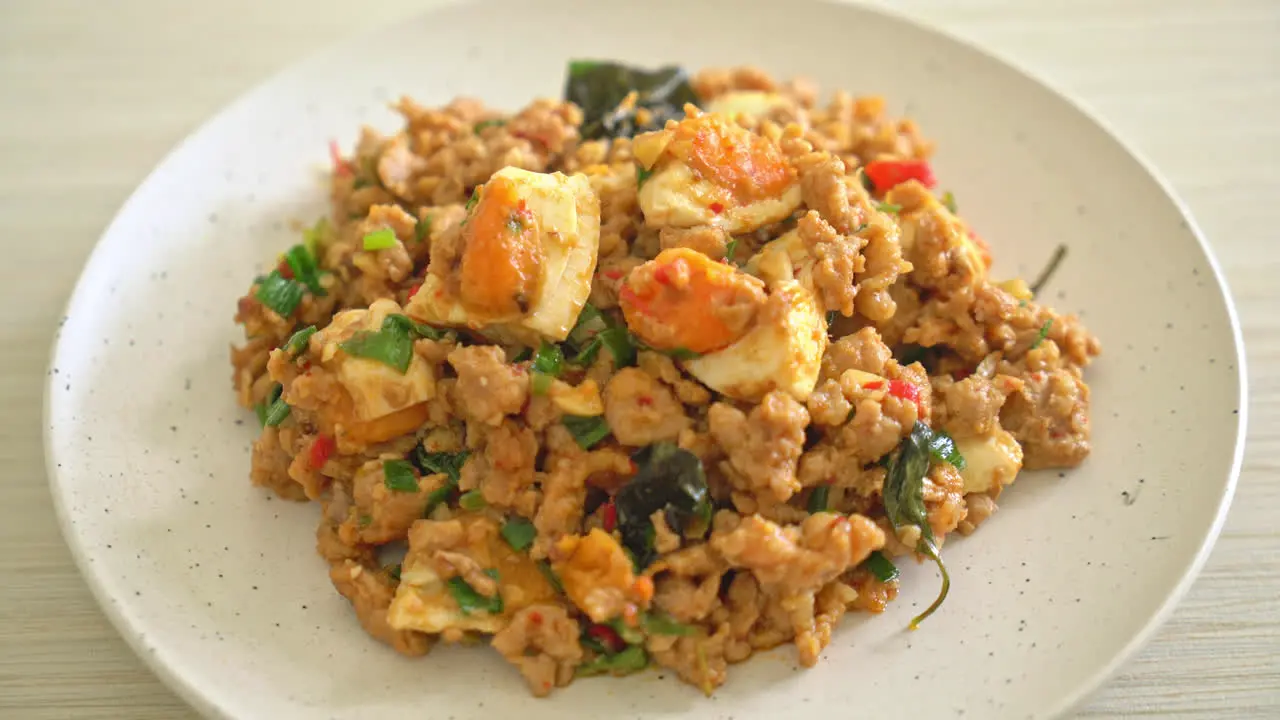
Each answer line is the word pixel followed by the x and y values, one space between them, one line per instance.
pixel 205 705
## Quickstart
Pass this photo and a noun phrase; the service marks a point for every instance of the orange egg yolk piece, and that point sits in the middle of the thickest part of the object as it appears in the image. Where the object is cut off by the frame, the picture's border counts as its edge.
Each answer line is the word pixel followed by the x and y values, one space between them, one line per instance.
pixel 501 256
pixel 749 166
pixel 683 299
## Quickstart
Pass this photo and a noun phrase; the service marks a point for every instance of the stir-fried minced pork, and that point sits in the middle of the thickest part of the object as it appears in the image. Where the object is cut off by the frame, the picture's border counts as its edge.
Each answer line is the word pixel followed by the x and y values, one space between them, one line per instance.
pixel 639 383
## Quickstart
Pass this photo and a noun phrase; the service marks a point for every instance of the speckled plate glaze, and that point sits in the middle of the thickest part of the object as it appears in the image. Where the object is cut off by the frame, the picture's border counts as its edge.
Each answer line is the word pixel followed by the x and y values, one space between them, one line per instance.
pixel 217 585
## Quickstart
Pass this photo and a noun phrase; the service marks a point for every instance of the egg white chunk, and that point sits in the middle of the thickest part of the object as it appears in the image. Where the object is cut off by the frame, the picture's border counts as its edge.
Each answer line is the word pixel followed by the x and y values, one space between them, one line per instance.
pixel 567 213
pixel 782 351
pixel 990 460
pixel 675 196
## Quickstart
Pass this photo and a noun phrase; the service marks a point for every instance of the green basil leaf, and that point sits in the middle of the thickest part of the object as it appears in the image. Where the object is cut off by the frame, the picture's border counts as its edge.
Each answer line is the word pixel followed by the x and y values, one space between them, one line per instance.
pixel 903 495
pixel 279 293
pixel 1059 254
pixel 519 533
pixel 587 431
pixel 642 175
pixel 297 342
pixel 599 87
pixel 472 500
pixel 305 270
pixel 398 475
pixel 943 449
pixel 668 479
pixel 448 463
pixel 887 207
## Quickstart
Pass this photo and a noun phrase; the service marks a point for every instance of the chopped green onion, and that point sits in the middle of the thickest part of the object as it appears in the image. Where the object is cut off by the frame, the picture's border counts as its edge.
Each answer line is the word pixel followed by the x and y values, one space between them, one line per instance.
pixel 422 229
pixel 313 238
pixel 544 567
pixel 475 198
pixel 297 342
pixel 366 520
pixel 1044 333
pixel 540 383
pixel 549 359
pixel 304 267
pixel 819 499
pixel 379 239
pixel 587 431
pixel 887 207
pixel 439 495
pixel 642 176
pixel 279 293
pixel 393 571
pixel 949 201
pixel 620 344
pixel 469 601
pixel 518 533
pixel 629 635
pixel 472 500
pixel 662 624
pixel 398 475
pixel 492 122
pixel 729 249
pixel 881 567
pixel 273 410
pixel 860 228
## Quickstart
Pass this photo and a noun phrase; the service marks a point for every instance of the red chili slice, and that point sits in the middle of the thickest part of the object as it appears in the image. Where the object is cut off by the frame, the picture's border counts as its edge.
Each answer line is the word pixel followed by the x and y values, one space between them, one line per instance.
pixel 888 174
pixel 904 391
pixel 340 166
pixel 607 637
pixel 413 291
pixel 321 449
pixel 609 516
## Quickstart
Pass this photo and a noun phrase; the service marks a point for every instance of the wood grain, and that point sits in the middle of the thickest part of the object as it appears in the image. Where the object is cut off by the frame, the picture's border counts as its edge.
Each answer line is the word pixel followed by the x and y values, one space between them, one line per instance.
pixel 94 94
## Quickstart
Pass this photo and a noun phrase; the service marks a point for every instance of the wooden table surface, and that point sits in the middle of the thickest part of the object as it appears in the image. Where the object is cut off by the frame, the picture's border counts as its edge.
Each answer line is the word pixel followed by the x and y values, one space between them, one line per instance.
pixel 93 94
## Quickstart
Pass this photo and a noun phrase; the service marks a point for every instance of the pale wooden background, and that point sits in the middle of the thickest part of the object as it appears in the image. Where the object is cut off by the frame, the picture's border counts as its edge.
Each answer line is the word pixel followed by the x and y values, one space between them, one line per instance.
pixel 93 94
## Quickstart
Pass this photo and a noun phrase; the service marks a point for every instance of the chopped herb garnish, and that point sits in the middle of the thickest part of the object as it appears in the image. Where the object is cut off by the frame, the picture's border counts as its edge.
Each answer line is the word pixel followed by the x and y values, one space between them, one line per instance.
pixel 297 342
pixel 1059 254
pixel 831 317
pixel 305 270
pixel 943 449
pixel 598 88
pixel 633 659
pixel 472 500
pixel 515 223
pixel 273 410
pixel 422 229
pixel 549 359
pixel 362 182
pixel 881 567
pixel 492 122
pixel 866 180
pixel 1044 333
pixel 819 499
pixel 392 344
pixel 669 479
pixel 365 520
pixel 657 623
pixel 398 475
pixel 469 601
pixel 518 533
pixel 475 198
pixel 587 431
pixel 642 175
pixel 621 345
pixel 904 506
pixel 448 463
pixel 681 353
pixel 379 240
pixel 544 567
pixel 949 201
pixel 393 571
pixel 860 228
pixel 540 383
pixel 279 293
pixel 313 238
pixel 729 249
pixel 887 207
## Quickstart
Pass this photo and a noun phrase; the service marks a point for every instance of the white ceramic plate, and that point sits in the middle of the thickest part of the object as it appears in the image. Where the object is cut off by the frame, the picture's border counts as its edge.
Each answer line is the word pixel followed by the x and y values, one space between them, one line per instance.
pixel 219 588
